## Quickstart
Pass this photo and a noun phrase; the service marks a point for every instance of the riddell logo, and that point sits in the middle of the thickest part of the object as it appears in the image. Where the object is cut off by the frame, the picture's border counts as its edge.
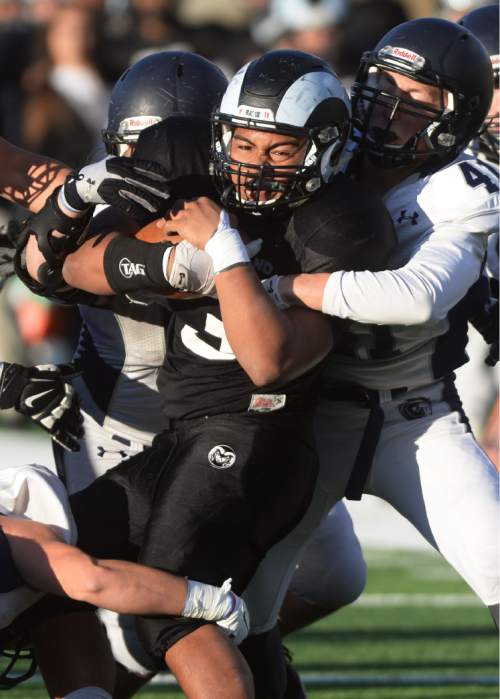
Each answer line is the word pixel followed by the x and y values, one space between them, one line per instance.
pixel 131 269
pixel 397 52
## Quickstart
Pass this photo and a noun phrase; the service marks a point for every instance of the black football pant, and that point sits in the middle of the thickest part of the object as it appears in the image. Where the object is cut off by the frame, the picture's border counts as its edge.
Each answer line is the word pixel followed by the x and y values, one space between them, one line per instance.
pixel 206 501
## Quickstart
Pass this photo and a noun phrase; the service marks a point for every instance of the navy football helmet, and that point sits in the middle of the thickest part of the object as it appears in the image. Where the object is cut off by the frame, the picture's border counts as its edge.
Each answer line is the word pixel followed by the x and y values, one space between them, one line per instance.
pixel 438 53
pixel 158 86
pixel 483 23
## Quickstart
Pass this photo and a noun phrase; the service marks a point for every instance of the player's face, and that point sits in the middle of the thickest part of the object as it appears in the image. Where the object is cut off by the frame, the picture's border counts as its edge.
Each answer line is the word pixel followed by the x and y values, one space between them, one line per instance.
pixel 278 153
pixel 399 120
pixel 493 118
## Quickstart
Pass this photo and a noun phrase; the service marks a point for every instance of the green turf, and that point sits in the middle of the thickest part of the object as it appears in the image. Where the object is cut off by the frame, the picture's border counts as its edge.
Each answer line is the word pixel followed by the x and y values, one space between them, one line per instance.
pixel 360 642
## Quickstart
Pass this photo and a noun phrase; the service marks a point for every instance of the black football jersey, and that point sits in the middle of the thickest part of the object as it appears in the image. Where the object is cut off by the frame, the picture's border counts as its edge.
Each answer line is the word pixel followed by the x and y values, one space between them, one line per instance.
pixel 201 375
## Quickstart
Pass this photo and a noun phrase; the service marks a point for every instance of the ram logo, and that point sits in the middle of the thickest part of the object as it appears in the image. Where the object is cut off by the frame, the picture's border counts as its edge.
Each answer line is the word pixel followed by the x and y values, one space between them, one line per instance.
pixel 131 269
pixel 221 456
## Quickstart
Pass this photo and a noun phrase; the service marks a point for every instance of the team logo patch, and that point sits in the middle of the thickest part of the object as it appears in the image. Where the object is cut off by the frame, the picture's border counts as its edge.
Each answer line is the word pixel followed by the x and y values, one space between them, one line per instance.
pixel 245 110
pixel 131 269
pixel 221 456
pixel 267 402
pixel 412 60
pixel 415 408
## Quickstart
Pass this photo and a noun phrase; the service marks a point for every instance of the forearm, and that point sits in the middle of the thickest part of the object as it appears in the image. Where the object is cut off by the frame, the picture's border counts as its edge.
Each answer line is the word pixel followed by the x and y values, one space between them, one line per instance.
pixel 26 178
pixel 84 268
pixel 271 345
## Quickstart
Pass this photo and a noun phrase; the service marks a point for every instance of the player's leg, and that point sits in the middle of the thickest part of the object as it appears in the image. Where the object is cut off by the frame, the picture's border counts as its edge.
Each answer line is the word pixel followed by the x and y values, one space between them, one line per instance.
pixel 431 469
pixel 72 652
pixel 207 665
pixel 330 574
pixel 225 526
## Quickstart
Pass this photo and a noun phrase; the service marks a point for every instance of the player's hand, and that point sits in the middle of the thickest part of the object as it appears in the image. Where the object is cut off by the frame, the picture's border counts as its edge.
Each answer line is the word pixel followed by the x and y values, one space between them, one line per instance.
pixel 196 221
pixel 43 394
pixel 137 187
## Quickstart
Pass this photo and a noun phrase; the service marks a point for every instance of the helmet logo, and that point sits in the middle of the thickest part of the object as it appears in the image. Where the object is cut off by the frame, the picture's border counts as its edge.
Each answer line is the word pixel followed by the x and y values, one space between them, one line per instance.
pixel 221 456
pixel 395 54
pixel 137 123
pixel 257 113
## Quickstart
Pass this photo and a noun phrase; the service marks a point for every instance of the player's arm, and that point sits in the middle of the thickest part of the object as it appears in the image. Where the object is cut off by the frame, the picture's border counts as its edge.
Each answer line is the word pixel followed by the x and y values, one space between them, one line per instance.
pixel 424 290
pixel 270 345
pixel 26 178
pixel 46 563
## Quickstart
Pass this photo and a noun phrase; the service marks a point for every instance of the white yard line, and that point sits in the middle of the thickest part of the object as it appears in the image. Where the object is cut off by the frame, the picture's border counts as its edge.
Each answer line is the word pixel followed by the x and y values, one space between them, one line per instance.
pixel 418 600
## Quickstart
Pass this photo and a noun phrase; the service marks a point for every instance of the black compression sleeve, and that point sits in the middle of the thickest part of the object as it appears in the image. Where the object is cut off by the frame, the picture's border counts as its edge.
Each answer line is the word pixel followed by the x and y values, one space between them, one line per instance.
pixel 131 264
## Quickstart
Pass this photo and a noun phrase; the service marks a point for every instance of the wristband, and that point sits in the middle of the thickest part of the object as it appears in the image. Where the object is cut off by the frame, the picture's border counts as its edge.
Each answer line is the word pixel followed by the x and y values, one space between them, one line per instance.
pixel 131 264
pixel 226 247
pixel 271 285
pixel 208 602
pixel 69 198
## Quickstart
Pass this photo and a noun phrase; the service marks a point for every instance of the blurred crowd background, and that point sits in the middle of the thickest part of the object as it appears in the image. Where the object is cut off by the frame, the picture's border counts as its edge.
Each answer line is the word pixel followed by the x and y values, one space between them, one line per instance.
pixel 60 59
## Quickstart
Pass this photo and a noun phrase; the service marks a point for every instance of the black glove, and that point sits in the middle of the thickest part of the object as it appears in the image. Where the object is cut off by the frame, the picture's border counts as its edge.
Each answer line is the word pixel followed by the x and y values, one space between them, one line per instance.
pixel 43 393
pixel 137 187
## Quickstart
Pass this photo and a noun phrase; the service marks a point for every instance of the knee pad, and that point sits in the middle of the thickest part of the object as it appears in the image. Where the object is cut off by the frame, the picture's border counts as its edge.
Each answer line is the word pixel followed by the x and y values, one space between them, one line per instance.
pixel 88 693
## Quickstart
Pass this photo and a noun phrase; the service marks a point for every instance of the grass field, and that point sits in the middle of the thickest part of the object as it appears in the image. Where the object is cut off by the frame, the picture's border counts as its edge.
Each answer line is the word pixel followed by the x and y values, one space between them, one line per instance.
pixel 417 633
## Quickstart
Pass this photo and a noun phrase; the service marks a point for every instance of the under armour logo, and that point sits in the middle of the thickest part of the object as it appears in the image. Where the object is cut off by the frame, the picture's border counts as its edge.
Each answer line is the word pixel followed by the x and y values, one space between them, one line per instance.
pixel 101 451
pixel 413 218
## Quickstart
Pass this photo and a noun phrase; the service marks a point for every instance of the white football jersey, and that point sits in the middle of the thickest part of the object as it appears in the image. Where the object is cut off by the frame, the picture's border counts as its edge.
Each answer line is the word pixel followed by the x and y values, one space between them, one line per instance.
pixel 120 358
pixel 406 326
pixel 33 492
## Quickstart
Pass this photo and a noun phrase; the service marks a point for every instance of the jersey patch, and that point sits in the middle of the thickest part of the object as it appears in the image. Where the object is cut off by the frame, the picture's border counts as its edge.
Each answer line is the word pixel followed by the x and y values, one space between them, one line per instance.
pixel 267 402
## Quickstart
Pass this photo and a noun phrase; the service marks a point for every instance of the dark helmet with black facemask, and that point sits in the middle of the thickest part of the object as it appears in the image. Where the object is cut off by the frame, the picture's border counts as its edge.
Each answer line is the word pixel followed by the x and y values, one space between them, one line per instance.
pixel 434 52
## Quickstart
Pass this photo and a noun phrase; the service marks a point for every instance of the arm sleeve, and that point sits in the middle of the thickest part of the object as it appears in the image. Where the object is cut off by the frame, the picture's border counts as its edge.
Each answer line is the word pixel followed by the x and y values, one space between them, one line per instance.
pixel 425 289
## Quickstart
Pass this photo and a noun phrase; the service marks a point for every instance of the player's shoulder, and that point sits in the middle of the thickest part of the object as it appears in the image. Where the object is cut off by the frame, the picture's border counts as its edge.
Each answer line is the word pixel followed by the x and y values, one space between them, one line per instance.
pixel 464 188
pixel 345 227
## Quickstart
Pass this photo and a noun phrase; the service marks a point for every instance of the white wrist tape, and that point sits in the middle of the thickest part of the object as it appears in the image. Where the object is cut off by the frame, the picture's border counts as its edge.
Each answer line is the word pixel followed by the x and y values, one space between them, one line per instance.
pixel 226 247
pixel 207 601
pixel 272 286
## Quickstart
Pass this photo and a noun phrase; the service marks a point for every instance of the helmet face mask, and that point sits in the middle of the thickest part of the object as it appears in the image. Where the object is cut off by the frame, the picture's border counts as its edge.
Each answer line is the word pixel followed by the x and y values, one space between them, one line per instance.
pixel 430 52
pixel 118 142
pixel 380 114
pixel 10 673
pixel 270 187
pixel 284 93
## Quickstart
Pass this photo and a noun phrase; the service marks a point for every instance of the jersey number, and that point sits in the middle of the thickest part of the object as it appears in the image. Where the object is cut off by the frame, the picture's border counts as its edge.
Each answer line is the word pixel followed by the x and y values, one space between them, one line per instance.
pixel 475 178
pixel 215 328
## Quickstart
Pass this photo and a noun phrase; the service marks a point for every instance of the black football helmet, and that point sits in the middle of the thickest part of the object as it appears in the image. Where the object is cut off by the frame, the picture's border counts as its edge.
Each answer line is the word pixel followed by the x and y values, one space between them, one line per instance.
pixel 159 85
pixel 483 23
pixel 287 92
pixel 432 51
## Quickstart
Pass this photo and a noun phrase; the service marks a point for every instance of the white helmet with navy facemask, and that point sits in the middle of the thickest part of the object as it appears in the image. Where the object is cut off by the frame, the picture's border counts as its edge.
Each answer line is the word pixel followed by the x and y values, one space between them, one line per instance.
pixel 285 92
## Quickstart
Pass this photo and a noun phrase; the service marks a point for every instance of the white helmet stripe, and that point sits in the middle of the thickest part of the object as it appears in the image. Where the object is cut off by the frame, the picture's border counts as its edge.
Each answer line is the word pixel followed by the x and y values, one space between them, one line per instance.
pixel 231 99
pixel 304 95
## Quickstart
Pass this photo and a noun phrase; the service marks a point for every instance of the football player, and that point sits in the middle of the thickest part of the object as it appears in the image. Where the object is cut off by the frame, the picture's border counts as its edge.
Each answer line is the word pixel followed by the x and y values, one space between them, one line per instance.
pixel 391 422
pixel 37 537
pixel 201 378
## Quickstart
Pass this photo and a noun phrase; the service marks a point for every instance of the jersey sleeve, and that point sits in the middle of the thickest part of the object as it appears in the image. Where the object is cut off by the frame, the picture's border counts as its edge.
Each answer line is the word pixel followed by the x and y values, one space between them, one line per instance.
pixel 425 289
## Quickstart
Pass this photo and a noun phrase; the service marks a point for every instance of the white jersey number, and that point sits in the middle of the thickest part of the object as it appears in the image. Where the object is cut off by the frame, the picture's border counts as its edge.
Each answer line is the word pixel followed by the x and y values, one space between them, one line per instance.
pixel 213 326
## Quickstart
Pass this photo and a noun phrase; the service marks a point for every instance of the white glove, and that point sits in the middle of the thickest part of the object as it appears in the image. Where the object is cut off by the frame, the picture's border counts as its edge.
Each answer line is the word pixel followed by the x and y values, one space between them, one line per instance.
pixel 192 269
